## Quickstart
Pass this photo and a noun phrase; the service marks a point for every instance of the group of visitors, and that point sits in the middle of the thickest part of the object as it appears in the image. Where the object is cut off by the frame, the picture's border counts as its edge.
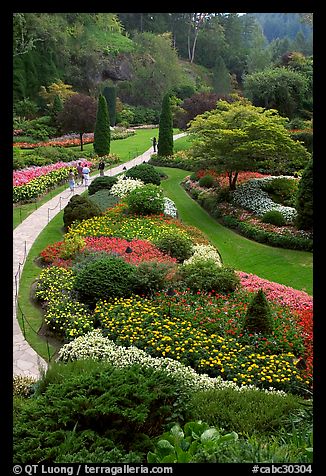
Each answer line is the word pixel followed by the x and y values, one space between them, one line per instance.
pixel 83 172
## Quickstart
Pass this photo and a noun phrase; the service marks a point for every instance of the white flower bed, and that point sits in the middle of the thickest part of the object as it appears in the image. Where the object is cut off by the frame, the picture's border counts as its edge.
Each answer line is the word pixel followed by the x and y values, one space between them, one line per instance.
pixel 204 252
pixel 94 346
pixel 125 185
pixel 169 207
pixel 251 196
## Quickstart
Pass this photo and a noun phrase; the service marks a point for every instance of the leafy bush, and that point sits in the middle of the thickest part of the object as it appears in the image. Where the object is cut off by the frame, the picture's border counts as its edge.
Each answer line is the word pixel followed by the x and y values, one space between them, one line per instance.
pixel 95 405
pixel 207 275
pixel 246 412
pixel 274 217
pixel 104 278
pixel 305 136
pixel 146 200
pixel 79 208
pixel 258 317
pixel 150 277
pixel 206 181
pixel 282 190
pixel 197 443
pixel 104 200
pixel 175 245
pixel 100 183
pixel 144 172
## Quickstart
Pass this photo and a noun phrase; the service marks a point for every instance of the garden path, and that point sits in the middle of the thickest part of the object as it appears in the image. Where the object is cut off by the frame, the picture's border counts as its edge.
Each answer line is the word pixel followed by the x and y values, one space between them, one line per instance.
pixel 26 361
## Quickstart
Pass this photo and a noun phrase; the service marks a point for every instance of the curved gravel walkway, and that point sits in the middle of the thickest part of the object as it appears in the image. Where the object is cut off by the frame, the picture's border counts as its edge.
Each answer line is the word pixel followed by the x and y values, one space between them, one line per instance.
pixel 26 361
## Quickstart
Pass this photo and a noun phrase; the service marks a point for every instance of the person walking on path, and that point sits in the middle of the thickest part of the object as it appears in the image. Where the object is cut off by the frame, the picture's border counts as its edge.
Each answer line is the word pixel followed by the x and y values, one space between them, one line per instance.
pixel 80 173
pixel 154 143
pixel 101 166
pixel 71 178
pixel 86 172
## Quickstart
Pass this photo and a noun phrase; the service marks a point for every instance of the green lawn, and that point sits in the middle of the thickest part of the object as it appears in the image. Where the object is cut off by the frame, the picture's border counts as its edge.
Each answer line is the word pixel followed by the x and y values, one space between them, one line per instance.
pixel 52 233
pixel 290 267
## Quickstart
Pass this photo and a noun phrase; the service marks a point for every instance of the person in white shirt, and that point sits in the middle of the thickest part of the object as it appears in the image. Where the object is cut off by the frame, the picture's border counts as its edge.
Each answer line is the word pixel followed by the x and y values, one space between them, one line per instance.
pixel 86 172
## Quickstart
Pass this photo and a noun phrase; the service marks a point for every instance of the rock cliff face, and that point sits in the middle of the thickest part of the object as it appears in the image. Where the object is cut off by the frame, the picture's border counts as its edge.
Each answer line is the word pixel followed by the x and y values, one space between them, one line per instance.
pixel 117 68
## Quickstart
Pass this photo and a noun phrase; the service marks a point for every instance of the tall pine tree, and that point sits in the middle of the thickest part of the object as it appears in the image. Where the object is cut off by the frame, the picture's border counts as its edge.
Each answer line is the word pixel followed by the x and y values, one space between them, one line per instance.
pixel 165 135
pixel 102 134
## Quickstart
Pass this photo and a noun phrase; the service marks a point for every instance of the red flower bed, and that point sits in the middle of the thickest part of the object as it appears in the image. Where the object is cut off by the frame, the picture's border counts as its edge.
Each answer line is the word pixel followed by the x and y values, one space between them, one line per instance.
pixel 141 251
pixel 223 178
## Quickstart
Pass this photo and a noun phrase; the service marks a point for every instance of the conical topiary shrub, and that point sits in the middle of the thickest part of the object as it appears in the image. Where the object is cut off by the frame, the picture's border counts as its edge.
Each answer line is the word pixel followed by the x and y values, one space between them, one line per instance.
pixel 165 135
pixel 102 133
pixel 258 318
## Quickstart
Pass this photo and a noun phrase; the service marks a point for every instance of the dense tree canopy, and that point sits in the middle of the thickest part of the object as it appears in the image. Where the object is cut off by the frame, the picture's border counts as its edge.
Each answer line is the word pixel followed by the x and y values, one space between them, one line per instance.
pixel 240 136
pixel 78 115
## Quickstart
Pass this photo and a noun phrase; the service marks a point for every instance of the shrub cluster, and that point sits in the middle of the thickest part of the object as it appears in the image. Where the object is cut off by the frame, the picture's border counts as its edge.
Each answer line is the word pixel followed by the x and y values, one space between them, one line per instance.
pixel 146 200
pixel 79 208
pixel 207 275
pixel 146 173
pixel 100 183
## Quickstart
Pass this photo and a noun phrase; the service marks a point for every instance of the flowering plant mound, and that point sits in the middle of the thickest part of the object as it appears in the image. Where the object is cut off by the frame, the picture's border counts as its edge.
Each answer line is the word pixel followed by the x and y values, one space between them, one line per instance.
pixel 204 252
pixel 203 331
pixel 298 301
pixel 250 195
pixel 125 185
pixel 64 314
pixel 94 345
pixel 141 250
pixel 115 222
pixel 180 332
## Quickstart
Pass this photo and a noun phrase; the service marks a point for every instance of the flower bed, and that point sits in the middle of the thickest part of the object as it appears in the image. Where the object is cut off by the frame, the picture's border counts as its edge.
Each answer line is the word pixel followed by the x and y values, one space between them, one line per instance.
pixel 116 223
pixel 141 251
pixel 251 196
pixel 71 140
pixel 32 182
pixel 203 331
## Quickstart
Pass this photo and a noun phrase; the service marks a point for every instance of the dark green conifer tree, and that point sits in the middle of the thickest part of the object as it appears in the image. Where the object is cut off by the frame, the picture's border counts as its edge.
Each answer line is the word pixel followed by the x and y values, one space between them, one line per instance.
pixel 304 199
pixel 102 134
pixel 221 77
pixel 259 317
pixel 57 106
pixel 165 135
pixel 110 94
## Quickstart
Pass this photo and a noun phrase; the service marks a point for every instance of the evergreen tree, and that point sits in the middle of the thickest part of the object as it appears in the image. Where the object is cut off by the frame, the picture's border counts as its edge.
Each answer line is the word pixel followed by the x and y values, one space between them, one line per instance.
pixel 57 106
pixel 165 135
pixel 221 77
pixel 259 317
pixel 304 198
pixel 110 94
pixel 102 134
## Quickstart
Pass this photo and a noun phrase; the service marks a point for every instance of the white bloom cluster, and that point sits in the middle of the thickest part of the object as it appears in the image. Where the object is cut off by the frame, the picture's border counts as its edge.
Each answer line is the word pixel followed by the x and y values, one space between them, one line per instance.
pixel 125 185
pixel 204 252
pixel 169 207
pixel 94 345
pixel 250 195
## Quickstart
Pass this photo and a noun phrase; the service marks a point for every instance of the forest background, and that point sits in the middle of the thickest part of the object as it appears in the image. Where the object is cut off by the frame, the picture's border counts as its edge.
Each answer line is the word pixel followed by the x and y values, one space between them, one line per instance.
pixel 145 55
